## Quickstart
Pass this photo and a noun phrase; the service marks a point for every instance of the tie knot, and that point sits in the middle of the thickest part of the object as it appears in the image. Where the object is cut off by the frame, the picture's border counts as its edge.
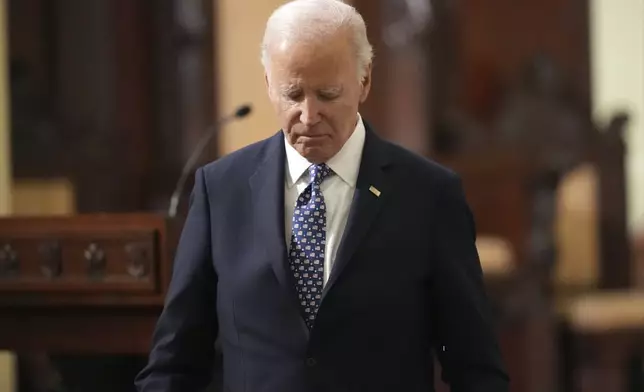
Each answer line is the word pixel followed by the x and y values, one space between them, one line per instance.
pixel 318 173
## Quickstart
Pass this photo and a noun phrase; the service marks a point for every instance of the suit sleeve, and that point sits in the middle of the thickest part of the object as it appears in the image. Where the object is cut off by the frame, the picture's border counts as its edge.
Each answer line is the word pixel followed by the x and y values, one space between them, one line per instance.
pixel 183 350
pixel 465 339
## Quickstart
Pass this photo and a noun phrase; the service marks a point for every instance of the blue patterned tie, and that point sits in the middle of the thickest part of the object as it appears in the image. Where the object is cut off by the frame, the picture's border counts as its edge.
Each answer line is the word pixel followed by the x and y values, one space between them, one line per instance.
pixel 308 239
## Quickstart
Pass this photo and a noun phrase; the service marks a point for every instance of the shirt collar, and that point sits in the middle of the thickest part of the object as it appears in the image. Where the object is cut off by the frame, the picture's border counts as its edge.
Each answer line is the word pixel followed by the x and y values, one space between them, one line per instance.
pixel 345 164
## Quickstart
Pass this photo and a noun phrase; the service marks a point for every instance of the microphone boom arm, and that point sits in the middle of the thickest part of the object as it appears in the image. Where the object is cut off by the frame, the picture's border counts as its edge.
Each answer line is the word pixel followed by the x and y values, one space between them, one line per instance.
pixel 241 112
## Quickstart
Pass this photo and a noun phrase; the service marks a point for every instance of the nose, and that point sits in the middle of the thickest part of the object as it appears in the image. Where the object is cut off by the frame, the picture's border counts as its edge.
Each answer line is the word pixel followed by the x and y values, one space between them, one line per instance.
pixel 310 112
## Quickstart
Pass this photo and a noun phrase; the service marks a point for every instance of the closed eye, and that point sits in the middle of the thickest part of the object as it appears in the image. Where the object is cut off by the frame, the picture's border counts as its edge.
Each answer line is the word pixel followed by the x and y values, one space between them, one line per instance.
pixel 325 97
pixel 328 95
pixel 294 95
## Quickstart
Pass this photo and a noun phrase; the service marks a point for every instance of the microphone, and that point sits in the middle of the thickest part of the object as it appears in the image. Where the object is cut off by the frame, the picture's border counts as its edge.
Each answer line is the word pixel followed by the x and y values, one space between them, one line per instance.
pixel 240 113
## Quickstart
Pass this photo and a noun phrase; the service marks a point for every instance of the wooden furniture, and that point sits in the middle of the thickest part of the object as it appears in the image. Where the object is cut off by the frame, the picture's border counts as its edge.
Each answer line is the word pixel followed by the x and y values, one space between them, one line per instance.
pixel 605 324
pixel 509 196
pixel 606 328
pixel 638 254
pixel 86 284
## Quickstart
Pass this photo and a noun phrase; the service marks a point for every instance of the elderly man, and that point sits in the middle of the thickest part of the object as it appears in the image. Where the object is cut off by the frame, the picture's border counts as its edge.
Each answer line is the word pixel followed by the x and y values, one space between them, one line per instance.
pixel 324 258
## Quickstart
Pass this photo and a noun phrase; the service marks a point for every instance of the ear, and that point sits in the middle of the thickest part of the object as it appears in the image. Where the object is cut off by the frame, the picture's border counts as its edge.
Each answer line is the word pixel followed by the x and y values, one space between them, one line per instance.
pixel 366 85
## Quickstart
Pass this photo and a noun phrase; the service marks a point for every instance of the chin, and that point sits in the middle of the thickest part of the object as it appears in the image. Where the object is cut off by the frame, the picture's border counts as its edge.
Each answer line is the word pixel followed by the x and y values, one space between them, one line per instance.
pixel 314 154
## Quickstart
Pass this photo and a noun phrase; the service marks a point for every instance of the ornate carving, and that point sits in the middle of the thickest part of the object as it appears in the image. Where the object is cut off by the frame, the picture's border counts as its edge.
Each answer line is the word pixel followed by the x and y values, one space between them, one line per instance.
pixel 540 117
pixel 139 255
pixel 95 257
pixel 51 264
pixel 9 262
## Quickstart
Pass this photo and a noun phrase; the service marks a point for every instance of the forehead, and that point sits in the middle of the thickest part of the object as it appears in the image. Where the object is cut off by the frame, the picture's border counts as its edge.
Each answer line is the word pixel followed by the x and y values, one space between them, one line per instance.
pixel 325 61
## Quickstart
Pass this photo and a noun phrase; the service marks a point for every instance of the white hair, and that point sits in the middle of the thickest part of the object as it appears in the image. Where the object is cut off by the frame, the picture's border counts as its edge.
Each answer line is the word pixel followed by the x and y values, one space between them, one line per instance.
pixel 311 20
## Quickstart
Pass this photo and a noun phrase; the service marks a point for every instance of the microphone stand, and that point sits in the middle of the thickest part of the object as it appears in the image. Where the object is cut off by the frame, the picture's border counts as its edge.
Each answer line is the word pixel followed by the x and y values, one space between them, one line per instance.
pixel 240 113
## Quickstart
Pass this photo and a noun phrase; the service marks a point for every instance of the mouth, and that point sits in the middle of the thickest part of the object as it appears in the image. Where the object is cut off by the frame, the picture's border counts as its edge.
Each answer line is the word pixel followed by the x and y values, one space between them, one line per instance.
pixel 313 140
pixel 312 137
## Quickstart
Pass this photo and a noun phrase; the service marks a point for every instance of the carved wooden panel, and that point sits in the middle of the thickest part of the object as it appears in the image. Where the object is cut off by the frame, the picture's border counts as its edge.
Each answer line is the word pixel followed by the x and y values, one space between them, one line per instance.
pixel 79 262
pixel 119 254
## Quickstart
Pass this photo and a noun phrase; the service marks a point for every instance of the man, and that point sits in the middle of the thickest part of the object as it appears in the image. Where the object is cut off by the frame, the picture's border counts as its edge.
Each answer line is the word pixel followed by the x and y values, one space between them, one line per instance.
pixel 324 258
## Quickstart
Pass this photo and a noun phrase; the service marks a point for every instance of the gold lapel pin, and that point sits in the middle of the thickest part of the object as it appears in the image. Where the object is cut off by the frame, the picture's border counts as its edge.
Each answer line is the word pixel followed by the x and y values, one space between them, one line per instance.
pixel 375 191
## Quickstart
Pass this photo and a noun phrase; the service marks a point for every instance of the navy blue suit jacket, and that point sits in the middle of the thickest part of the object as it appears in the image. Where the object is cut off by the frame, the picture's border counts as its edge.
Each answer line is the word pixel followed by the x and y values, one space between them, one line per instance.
pixel 406 282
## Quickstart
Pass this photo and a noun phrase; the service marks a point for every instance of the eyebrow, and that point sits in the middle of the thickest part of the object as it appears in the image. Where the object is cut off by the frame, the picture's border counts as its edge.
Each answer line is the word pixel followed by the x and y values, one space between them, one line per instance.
pixel 292 87
pixel 289 88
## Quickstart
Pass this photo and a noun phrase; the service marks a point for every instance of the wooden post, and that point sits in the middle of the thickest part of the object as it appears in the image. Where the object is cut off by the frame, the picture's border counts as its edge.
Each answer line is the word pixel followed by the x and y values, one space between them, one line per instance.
pixel 5 145
pixel 7 359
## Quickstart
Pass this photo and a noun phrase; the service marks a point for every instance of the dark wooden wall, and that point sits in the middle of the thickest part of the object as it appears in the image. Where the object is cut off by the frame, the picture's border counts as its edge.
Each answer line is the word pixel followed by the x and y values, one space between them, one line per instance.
pixel 471 54
pixel 496 38
pixel 110 94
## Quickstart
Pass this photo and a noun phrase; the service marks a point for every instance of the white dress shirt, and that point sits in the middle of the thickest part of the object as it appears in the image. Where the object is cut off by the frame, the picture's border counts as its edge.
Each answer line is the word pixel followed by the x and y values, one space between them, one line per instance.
pixel 337 189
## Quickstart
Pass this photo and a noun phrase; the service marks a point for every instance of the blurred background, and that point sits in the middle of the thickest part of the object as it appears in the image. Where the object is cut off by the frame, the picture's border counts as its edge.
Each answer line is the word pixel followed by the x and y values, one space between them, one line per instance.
pixel 537 104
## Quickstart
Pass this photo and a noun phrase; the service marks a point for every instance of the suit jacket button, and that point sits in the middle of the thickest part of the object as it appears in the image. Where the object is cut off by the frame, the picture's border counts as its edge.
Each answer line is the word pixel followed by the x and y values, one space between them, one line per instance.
pixel 310 362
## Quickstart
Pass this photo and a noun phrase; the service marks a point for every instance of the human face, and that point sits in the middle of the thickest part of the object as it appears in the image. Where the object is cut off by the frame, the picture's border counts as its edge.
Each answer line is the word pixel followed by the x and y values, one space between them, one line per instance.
pixel 315 91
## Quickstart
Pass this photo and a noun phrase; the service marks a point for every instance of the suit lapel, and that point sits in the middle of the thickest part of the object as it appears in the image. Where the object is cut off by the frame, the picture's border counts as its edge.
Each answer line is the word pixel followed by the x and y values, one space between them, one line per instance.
pixel 372 189
pixel 267 189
